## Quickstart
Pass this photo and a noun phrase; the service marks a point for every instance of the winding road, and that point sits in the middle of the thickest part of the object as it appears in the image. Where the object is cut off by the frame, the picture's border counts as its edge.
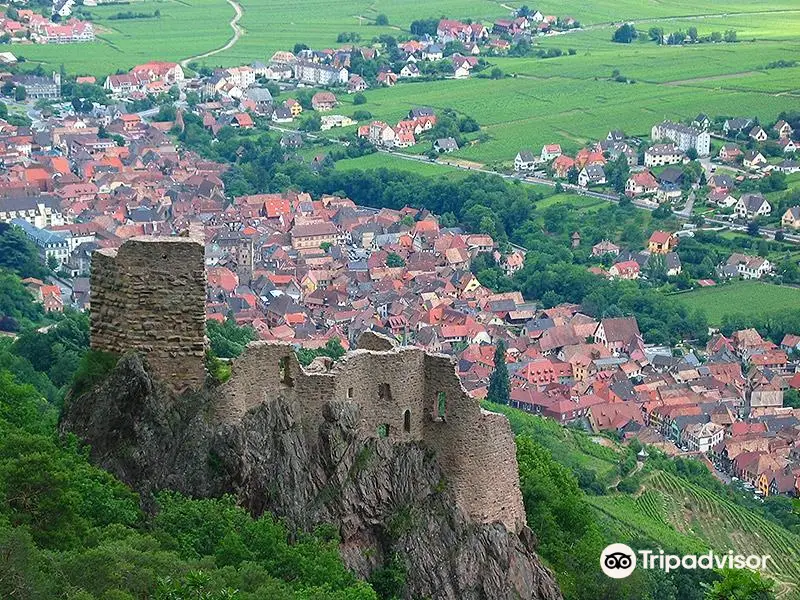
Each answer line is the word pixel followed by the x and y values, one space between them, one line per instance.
pixel 237 33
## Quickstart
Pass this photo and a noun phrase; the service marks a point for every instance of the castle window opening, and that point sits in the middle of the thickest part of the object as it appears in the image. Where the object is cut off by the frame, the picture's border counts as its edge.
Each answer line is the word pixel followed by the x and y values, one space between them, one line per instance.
pixel 440 410
pixel 383 430
pixel 286 378
pixel 384 393
pixel 407 421
pixel 349 393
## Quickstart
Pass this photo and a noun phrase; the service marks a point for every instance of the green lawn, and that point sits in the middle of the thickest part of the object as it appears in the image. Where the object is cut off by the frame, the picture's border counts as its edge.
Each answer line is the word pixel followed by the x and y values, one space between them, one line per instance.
pixel 740 297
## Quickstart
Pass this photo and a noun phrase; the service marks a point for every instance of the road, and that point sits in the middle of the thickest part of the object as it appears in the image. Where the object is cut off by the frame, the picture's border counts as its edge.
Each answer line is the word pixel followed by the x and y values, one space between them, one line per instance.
pixel 237 33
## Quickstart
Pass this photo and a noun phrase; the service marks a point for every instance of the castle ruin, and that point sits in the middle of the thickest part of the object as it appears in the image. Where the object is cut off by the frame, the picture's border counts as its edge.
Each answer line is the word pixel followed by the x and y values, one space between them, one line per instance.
pixel 150 296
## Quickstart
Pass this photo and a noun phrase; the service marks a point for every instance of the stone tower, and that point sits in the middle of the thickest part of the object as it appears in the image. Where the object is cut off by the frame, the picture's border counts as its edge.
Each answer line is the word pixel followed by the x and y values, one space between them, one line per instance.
pixel 149 296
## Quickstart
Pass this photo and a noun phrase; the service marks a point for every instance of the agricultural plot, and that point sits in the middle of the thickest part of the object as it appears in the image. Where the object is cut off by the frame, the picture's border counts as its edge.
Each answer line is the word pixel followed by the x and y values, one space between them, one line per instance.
pixel 740 298
pixel 687 518
pixel 185 28
pixel 727 526
pixel 378 161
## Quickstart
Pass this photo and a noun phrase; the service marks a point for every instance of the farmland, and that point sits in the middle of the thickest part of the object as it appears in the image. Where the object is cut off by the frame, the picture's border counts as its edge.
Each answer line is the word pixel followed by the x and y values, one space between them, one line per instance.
pixel 740 298
pixel 677 513
pixel 124 43
pixel 569 99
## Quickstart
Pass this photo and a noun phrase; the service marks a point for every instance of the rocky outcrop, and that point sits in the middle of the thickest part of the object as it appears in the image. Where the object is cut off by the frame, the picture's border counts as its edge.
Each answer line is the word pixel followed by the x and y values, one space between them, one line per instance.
pixel 388 498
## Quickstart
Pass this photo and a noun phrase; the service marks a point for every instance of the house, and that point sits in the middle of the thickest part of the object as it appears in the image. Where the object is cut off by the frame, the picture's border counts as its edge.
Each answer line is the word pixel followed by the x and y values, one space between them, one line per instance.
pixel 659 155
pixel 730 153
pixel 445 145
pixel 432 52
pixel 734 127
pixel 381 134
pixel 312 235
pixel 721 181
pixel 169 73
pixel 524 161
pixel 787 145
pixel 641 183
pixel 627 269
pixel 758 134
pixel 784 129
pixel 791 218
pixel 683 137
pixel 721 197
pixel 292 140
pixel 281 114
pixel 387 78
pixel 410 70
pixel 591 175
pixel 355 84
pixel 701 121
pixel 242 121
pixel 788 166
pixel 617 333
pixel 461 71
pixel 295 108
pixel 549 152
pixel 605 247
pixel 562 165
pixel 751 206
pixel 747 267
pixel 753 159
pixel 661 242
pixel 322 101
pixel 673 264
pixel 702 436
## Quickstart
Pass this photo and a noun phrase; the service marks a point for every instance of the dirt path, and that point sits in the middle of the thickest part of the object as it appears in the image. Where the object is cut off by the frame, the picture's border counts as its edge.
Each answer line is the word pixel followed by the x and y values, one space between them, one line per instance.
pixel 237 33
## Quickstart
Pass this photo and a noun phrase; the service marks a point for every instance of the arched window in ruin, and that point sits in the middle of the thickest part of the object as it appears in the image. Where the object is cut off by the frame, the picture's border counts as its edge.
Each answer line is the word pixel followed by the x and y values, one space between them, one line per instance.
pixel 384 393
pixel 407 421
pixel 286 378
pixel 383 430
pixel 440 408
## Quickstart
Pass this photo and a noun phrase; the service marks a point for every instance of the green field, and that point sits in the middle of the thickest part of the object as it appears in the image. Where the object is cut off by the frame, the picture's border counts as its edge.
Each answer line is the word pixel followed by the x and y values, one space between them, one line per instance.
pixel 379 160
pixel 568 100
pixel 689 518
pixel 741 297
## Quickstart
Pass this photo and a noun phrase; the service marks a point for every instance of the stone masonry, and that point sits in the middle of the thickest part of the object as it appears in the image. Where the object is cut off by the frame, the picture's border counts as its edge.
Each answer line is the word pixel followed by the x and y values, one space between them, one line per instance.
pixel 405 395
pixel 149 296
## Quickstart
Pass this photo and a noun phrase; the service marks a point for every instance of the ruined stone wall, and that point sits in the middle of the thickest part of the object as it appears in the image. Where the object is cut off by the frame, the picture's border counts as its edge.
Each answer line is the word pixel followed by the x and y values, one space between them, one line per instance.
pixel 404 395
pixel 149 296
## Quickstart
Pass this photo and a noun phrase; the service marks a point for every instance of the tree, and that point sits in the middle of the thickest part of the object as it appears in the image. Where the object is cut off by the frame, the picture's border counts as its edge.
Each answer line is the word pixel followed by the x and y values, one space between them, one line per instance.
pixel 753 228
pixel 52 262
pixel 656 34
pixel 299 47
pixel 691 153
pixel 496 73
pixel 741 584
pixel 625 34
pixel 572 175
pixel 382 20
pixel 3 110
pixel 394 260
pixel 332 349
pixel 730 36
pixel 20 94
pixel 617 173
pixel 359 99
pixel 498 382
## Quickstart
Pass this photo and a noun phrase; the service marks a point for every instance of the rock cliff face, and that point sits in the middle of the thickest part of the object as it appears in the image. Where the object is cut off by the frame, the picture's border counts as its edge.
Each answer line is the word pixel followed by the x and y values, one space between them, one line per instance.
pixel 387 497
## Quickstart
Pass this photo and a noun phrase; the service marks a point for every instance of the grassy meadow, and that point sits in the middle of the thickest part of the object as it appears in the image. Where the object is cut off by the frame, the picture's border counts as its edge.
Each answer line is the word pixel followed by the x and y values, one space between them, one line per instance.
pixel 740 297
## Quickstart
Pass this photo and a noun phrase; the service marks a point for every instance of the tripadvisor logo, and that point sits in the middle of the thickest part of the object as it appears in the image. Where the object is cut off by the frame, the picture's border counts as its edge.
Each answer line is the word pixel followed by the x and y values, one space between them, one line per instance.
pixel 619 561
